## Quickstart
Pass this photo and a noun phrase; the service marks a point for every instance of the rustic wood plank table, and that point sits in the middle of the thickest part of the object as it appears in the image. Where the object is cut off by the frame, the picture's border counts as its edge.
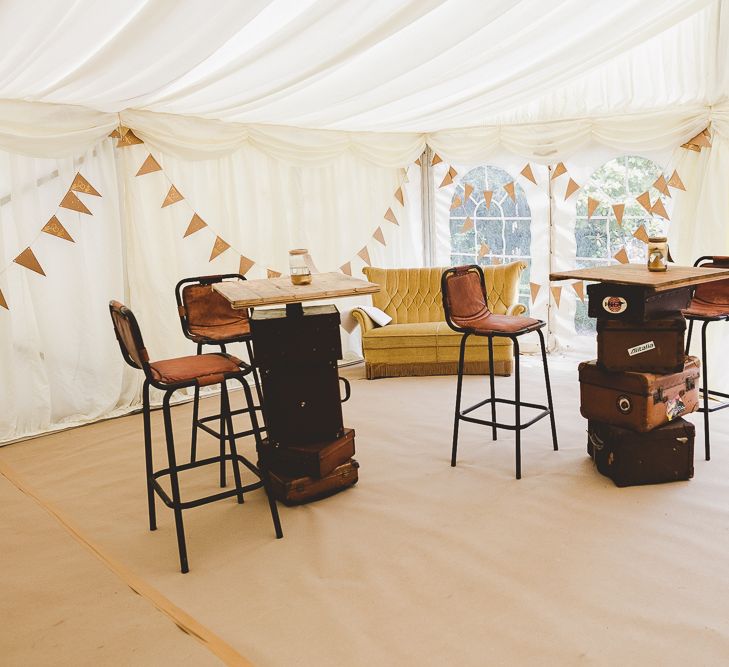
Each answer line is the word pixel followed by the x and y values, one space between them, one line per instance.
pixel 638 274
pixel 280 291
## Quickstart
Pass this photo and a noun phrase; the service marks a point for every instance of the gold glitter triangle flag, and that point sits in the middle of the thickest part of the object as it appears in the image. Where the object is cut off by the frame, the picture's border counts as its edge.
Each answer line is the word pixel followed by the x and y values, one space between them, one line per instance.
pixel 559 170
pixel 3 303
pixel 659 209
pixel 436 159
pixel 55 228
pixel 484 250
pixel 245 265
pixel 128 139
pixel 28 260
pixel 644 200
pixel 148 166
pixel 488 196
pixel 496 260
pixel 579 288
pixel 467 190
pixel 196 224
pixel 572 187
pixel 364 255
pixel 80 184
pixel 73 203
pixel 619 210
pixel 379 236
pixel 592 205
pixel 399 196
pixel 115 134
pixel 661 185
pixel 456 203
pixel 641 234
pixel 622 256
pixel 676 182
pixel 390 216
pixel 270 273
pixel 534 288
pixel 467 225
pixel 219 247
pixel 701 140
pixel 346 269
pixel 510 190
pixel 557 294
pixel 528 173
pixel 173 196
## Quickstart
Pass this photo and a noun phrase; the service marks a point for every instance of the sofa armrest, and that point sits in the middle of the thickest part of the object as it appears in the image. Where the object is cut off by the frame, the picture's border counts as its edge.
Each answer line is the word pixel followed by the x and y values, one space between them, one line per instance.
pixel 363 319
pixel 516 309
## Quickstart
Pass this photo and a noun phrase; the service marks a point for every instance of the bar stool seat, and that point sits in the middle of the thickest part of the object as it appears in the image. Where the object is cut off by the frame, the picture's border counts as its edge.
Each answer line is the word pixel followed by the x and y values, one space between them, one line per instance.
pixel 465 305
pixel 214 334
pixel 703 310
pixel 205 369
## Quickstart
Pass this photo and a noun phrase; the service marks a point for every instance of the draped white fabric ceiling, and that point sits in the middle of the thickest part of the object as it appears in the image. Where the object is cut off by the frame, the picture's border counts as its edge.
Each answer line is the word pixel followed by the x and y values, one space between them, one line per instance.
pixel 366 65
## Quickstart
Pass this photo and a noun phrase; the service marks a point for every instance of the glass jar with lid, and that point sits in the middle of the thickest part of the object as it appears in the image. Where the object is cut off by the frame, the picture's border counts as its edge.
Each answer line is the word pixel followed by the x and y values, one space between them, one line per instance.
pixel 657 253
pixel 299 267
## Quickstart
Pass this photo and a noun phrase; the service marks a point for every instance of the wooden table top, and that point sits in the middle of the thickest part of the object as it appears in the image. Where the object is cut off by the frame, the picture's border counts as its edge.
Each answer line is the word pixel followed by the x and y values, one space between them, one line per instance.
pixel 272 291
pixel 638 274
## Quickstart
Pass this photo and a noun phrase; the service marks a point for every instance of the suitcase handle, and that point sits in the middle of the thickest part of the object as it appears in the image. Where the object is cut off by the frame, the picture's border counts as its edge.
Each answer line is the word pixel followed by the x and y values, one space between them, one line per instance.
pixel 347 389
pixel 595 441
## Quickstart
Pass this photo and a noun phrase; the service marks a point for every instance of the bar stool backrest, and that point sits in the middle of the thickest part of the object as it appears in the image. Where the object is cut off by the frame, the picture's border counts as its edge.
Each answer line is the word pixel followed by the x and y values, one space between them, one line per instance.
pixel 716 292
pixel 464 296
pixel 129 336
pixel 200 305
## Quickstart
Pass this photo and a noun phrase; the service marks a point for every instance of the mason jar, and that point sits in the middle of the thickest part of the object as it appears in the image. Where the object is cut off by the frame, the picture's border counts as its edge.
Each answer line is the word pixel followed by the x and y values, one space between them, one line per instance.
pixel 657 253
pixel 298 268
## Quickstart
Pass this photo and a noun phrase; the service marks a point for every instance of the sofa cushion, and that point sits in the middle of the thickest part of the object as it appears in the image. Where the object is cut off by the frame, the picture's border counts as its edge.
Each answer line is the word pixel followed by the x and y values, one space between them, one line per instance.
pixel 419 335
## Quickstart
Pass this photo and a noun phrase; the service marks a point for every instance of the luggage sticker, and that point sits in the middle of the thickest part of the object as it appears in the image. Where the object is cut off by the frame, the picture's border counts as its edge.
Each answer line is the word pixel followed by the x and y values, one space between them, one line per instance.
pixel 614 304
pixel 643 347
pixel 675 408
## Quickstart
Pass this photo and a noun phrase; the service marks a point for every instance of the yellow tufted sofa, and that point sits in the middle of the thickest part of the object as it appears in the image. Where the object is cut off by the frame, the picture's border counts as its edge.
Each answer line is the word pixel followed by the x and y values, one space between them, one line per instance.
pixel 418 341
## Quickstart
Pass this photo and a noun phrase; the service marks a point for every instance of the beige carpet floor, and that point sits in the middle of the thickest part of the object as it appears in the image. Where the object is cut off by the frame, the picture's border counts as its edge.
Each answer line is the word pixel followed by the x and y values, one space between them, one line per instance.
pixel 419 564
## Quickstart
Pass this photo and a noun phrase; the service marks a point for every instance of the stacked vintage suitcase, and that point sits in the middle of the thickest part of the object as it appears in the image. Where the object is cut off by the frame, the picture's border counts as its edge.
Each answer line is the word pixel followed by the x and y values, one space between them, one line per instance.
pixel 636 392
pixel 308 450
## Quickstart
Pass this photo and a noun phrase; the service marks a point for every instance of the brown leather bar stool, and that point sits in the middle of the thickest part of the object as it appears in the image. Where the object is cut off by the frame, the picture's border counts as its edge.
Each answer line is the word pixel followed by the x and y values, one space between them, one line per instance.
pixel 466 310
pixel 170 375
pixel 710 303
pixel 208 319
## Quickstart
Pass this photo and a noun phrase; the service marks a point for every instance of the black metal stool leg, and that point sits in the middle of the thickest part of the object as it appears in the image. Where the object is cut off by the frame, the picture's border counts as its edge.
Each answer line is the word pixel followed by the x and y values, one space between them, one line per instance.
pixel 688 336
pixel 174 483
pixel 459 387
pixel 262 464
pixel 705 384
pixel 493 386
pixel 549 390
pixel 148 456
pixel 225 404
pixel 517 407
pixel 195 413
pixel 223 480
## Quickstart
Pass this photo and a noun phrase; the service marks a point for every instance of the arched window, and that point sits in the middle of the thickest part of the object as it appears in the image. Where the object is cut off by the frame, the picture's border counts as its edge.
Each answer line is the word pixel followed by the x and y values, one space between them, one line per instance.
pixel 602 235
pixel 489 226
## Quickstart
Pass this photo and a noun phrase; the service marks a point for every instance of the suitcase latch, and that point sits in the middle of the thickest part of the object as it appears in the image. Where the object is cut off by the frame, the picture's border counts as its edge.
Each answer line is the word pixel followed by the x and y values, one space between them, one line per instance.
pixel 690 384
pixel 658 396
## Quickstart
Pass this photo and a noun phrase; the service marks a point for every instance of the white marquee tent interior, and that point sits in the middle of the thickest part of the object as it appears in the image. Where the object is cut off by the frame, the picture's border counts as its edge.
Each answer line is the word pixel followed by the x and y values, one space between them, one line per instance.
pixel 351 128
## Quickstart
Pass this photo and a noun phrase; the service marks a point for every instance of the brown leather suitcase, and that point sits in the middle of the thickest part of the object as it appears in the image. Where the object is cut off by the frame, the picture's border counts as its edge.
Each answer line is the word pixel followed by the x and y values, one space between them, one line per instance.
pixel 280 339
pixel 299 490
pixel 666 454
pixel 634 303
pixel 638 401
pixel 656 346
pixel 314 460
